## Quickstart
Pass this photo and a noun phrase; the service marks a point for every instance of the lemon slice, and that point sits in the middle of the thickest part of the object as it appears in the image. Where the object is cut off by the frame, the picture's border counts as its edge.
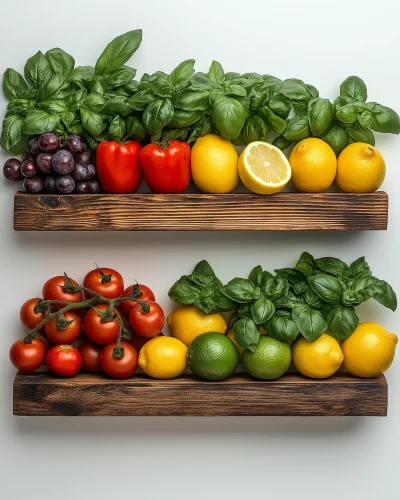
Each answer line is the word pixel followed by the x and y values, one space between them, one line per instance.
pixel 263 168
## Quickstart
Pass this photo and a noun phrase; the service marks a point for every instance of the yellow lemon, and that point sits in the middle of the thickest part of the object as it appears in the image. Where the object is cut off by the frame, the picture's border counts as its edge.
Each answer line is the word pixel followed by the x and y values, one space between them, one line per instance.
pixel 318 359
pixel 240 349
pixel 361 169
pixel 163 357
pixel 263 168
pixel 369 351
pixel 188 322
pixel 214 163
pixel 313 164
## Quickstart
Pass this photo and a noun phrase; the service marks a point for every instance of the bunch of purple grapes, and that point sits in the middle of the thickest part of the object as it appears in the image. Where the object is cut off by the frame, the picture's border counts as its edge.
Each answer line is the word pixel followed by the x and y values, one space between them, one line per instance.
pixel 49 167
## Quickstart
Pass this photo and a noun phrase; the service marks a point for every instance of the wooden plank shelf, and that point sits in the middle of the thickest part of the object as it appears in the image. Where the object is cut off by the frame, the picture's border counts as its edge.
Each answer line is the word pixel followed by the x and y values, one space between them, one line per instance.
pixel 201 212
pixel 240 395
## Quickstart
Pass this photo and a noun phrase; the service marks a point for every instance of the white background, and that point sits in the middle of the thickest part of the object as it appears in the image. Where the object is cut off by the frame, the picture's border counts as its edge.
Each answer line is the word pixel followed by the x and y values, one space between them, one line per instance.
pixel 176 458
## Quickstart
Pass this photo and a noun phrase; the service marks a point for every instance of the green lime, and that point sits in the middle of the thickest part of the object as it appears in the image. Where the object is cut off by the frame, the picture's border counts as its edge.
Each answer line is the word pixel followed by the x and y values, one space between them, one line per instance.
pixel 212 356
pixel 270 360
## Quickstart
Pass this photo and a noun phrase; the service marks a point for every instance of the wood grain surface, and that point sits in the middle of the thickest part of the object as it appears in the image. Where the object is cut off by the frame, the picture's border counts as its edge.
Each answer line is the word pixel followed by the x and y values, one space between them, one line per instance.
pixel 293 394
pixel 200 212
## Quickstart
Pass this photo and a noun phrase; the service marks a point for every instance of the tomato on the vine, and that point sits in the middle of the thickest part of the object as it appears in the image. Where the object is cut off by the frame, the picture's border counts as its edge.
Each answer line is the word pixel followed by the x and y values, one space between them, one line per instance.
pixel 57 289
pixel 126 306
pixel 30 317
pixel 90 353
pixel 120 368
pixel 68 331
pixel 101 332
pixel 63 360
pixel 104 281
pixel 27 357
pixel 147 324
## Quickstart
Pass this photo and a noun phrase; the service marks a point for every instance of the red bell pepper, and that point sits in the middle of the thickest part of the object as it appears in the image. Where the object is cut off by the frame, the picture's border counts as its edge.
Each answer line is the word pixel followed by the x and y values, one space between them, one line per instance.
pixel 118 166
pixel 166 166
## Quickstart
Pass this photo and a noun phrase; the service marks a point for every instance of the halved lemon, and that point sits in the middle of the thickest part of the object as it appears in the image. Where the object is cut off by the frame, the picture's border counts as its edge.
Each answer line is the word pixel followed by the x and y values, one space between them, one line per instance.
pixel 263 168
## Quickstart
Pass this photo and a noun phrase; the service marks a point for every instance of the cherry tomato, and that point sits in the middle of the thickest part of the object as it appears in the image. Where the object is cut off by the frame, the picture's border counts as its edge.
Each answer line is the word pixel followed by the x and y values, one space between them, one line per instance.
pixel 138 342
pixel 123 367
pixel 27 357
pixel 67 336
pixel 150 324
pixel 52 290
pixel 105 282
pixel 44 343
pixel 101 332
pixel 64 360
pixel 90 353
pixel 29 317
pixel 126 306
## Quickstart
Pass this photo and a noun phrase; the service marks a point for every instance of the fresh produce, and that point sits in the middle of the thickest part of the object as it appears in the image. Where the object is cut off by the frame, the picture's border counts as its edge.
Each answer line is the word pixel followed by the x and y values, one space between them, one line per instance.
pixel 163 358
pixel 361 169
pixel 138 342
pixel 269 361
pixel 63 360
pixel 119 367
pixel 212 356
pixel 214 164
pixel 319 359
pixel 31 314
pixel 314 165
pixel 369 351
pixel 63 289
pixel 188 322
pixel 12 170
pixel 102 324
pixel 118 166
pixel 104 281
pixel 263 168
pixel 240 350
pixel 64 329
pixel 27 356
pixel 126 306
pixel 90 353
pixel 147 319
pixel 166 166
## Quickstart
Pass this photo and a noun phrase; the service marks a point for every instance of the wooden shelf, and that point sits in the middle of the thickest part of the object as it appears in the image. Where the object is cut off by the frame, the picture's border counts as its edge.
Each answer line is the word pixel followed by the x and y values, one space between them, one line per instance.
pixel 201 212
pixel 294 395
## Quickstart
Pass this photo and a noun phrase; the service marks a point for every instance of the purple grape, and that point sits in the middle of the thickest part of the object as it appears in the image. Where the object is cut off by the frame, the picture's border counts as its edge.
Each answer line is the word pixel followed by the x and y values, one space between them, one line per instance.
pixel 33 185
pixel 49 142
pixel 33 147
pixel 81 172
pixel 63 162
pixel 28 168
pixel 82 187
pixel 94 187
pixel 92 172
pixel 43 162
pixel 27 156
pixel 65 184
pixel 50 184
pixel 12 170
pixel 84 158
pixel 75 144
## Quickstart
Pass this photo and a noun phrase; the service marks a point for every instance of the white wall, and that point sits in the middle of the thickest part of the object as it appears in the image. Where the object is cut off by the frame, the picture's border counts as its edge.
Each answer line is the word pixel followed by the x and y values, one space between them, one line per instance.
pixel 197 458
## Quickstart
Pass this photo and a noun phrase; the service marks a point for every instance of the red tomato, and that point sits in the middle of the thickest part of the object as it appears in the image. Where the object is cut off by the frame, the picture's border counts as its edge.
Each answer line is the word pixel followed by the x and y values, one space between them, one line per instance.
pixel 64 360
pixel 90 353
pixel 105 282
pixel 67 336
pixel 44 343
pixel 101 332
pixel 138 342
pixel 29 317
pixel 126 306
pixel 123 367
pixel 150 324
pixel 27 357
pixel 52 290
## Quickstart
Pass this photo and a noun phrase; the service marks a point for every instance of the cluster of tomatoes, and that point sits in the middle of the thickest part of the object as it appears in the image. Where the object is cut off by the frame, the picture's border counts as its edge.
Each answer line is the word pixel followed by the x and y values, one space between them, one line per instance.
pixel 113 323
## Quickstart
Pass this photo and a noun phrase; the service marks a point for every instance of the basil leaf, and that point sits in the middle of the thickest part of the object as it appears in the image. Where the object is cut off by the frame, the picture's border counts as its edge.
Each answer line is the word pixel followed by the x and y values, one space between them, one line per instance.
pixel 183 119
pixel 246 333
pixel 192 100
pixel 116 105
pixel 52 88
pixel 216 73
pixel 53 106
pixel 92 122
pixel 61 62
pixel 203 267
pixel 75 100
pixel 255 129
pixel 382 292
pixel 135 129
pixel 361 134
pixel 332 265
pixel 37 70
pixel 337 139
pixel 306 264
pixel 95 102
pixel 354 89
pixel 160 85
pixel 365 119
pixel 175 134
pixel 38 121
pixel 157 115
pixel 83 76
pixel 360 269
pixel 235 90
pixel 200 81
pixel 314 93
pixel 228 116
pixel 320 116
pixel 232 320
pixel 281 143
pixel 297 129
pixel 384 120
pixel 294 91
pixel 351 298
pixel 13 140
pixel 184 292
pixel 118 51
pixel 282 328
pixel 255 276
pixel 129 88
pixel 239 290
pixel 183 71
pixel 67 118
pixel 328 288
pixel 347 114
pixel 274 287
pixel 231 75
pixel 342 321
pixel 20 106
pixel 286 301
pixel 140 101
pixel 261 310
pixel 117 128
pixel 119 77
pixel 312 299
pixel 277 123
pixel 309 322
pixel 292 275
pixel 280 105
pixel 301 287
pixel 14 84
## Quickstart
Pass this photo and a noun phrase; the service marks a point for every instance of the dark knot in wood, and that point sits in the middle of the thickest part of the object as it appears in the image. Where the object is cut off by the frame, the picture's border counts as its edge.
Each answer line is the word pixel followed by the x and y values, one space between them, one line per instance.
pixel 51 202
